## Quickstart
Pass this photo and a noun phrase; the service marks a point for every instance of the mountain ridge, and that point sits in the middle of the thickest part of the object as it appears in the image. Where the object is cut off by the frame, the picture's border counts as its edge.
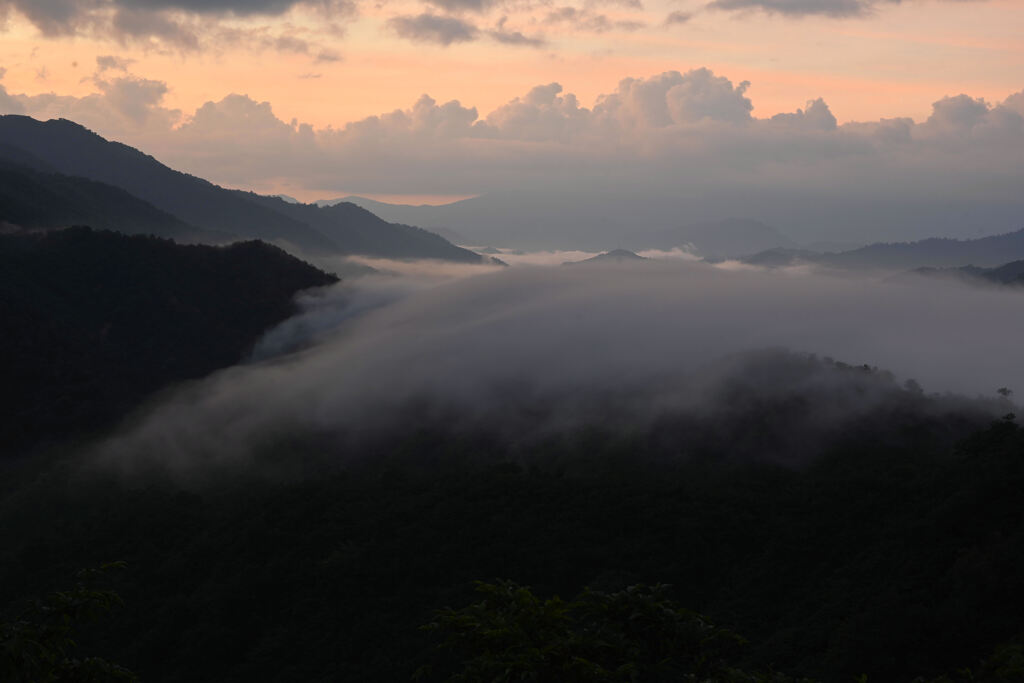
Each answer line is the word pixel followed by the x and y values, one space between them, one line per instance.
pixel 103 320
pixel 935 252
pixel 70 149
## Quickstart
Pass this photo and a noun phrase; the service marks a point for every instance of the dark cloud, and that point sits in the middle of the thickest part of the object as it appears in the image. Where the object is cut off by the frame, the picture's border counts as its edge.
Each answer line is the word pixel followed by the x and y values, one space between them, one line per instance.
pixel 328 57
pixel 463 5
pixel 831 8
pixel 800 8
pixel 177 24
pixel 242 8
pixel 631 4
pixel 432 28
pixel 143 25
pixel 510 37
pixel 678 18
pixel 55 17
pixel 112 62
pixel 238 7
pixel 588 21
pixel 288 43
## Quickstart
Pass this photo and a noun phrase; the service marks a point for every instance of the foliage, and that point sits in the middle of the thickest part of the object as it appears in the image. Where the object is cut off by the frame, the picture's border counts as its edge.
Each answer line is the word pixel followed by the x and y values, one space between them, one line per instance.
pixel 37 646
pixel 104 319
pixel 630 636
pixel 893 551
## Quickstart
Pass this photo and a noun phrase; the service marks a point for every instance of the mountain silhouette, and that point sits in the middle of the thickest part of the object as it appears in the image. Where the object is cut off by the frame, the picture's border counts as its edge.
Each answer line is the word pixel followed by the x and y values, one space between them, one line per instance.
pixel 1007 274
pixel 613 256
pixel 32 199
pixel 99 320
pixel 729 238
pixel 985 252
pixel 67 148
pixel 356 230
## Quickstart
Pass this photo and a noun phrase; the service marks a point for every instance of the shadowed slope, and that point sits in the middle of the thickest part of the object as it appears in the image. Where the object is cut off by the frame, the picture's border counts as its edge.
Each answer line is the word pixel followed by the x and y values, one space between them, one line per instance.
pixel 96 321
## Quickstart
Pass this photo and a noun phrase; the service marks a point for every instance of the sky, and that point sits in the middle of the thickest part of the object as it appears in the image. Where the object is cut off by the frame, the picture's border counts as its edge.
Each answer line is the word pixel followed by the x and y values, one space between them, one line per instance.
pixel 433 100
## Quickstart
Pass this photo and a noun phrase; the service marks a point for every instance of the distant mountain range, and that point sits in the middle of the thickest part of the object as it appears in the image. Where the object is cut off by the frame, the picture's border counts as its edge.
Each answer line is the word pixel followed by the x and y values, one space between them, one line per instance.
pixel 507 221
pixel 729 238
pixel 613 256
pixel 51 161
pixel 984 252
pixel 39 200
pixel 95 321
pixel 1011 274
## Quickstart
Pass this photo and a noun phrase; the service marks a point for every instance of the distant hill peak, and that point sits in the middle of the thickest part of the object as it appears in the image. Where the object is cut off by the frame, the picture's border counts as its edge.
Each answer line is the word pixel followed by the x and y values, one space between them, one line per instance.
pixel 613 256
pixel 933 252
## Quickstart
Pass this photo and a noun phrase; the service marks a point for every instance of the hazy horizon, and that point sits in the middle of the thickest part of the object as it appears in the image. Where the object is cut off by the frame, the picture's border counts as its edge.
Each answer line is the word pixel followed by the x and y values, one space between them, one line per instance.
pixel 831 120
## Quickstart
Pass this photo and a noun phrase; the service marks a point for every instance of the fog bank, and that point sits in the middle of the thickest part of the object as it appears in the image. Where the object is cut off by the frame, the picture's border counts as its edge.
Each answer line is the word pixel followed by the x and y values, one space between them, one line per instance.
pixel 543 349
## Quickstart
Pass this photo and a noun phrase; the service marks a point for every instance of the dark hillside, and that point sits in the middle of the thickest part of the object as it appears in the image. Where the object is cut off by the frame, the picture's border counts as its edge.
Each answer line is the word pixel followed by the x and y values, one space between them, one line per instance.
pixel 34 200
pixel 930 253
pixel 1011 273
pixel 95 321
pixel 74 150
pixel 65 147
pixel 893 552
pixel 357 231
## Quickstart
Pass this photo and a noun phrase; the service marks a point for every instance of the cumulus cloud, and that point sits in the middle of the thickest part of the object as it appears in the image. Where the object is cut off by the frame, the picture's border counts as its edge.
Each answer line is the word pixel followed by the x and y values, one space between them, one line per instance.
pixel 670 149
pixel 958 113
pixel 542 114
pixel 675 98
pixel 9 104
pixel 817 116
pixel 433 28
pixel 129 103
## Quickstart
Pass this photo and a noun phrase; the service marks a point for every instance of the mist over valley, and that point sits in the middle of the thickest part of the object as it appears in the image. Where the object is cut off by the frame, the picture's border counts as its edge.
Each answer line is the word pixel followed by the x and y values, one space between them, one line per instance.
pixel 685 346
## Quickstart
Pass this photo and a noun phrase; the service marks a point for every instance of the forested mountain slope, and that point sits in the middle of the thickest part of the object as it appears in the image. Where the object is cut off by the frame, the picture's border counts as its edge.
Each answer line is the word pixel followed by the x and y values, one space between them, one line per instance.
pixel 356 230
pixel 892 551
pixel 95 321
pixel 39 200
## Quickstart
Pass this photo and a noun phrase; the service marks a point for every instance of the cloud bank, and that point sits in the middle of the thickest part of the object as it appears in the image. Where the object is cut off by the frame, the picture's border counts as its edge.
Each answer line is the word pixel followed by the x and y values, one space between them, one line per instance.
pixel 541 349
pixel 672 142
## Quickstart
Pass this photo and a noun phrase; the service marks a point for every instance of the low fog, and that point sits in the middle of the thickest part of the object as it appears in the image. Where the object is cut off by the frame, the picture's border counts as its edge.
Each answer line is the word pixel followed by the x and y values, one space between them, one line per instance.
pixel 540 349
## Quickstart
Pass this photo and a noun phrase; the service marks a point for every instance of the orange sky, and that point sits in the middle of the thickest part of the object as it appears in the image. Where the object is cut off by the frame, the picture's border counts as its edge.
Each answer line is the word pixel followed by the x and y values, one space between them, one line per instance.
pixel 894 60
pixel 892 63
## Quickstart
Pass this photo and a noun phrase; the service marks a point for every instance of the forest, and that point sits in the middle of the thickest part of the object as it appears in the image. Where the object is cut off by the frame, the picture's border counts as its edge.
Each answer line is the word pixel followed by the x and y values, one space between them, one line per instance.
pixel 893 553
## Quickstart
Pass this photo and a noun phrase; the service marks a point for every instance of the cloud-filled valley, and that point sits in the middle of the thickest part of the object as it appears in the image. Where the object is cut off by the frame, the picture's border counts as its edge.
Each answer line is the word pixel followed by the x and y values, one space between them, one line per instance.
pixel 349 340
pixel 530 351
